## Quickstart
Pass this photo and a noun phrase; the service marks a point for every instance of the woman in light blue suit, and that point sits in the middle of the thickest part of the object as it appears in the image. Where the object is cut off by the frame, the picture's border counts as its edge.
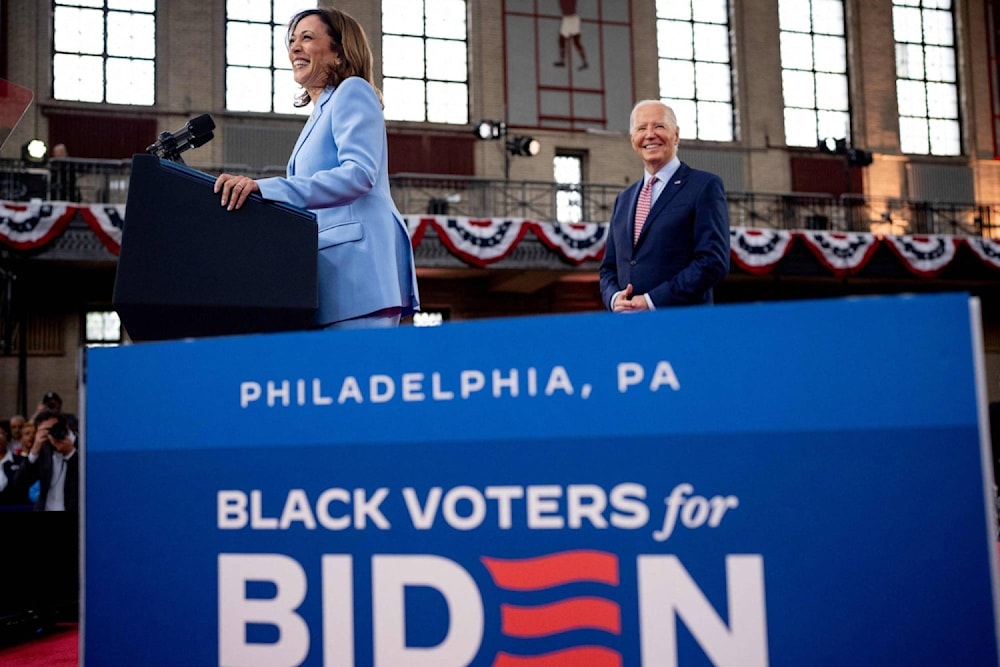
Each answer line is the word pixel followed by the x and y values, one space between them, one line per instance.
pixel 338 170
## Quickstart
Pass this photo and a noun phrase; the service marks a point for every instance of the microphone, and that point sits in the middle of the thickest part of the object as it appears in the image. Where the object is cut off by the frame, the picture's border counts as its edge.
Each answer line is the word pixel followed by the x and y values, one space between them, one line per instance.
pixel 196 132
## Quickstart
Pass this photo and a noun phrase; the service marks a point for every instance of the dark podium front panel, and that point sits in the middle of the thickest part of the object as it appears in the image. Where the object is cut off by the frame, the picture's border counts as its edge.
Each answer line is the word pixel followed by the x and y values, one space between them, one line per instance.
pixel 189 268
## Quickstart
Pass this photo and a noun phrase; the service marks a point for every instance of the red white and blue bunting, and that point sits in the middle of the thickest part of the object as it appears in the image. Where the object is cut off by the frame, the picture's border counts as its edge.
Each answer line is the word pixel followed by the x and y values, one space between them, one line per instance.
pixel 107 221
pixel 575 241
pixel 987 250
pixel 479 241
pixel 842 254
pixel 924 255
pixel 758 250
pixel 33 225
pixel 485 241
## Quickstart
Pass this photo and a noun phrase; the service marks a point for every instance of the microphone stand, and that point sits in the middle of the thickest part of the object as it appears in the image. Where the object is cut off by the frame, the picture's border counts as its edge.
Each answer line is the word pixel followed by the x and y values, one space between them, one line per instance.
pixel 166 148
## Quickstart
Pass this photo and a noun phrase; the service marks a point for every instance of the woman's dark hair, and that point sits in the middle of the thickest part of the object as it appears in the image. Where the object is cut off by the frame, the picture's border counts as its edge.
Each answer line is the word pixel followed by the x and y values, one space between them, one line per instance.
pixel 348 40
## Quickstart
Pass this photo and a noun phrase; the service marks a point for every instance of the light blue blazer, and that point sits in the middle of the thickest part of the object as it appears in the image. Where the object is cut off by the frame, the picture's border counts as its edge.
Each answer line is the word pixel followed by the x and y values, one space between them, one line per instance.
pixel 339 170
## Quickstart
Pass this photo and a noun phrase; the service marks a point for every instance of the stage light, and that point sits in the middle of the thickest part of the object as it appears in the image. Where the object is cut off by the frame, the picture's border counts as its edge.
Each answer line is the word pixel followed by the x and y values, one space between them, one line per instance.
pixel 490 129
pixel 35 151
pixel 832 145
pixel 524 146
pixel 859 157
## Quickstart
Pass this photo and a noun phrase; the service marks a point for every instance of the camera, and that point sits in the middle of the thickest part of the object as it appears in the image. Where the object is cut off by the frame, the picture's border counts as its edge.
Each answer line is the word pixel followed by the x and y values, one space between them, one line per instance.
pixel 59 430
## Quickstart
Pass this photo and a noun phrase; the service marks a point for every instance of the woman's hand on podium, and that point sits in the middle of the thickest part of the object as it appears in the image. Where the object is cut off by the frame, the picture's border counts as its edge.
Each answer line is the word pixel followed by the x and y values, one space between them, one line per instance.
pixel 235 189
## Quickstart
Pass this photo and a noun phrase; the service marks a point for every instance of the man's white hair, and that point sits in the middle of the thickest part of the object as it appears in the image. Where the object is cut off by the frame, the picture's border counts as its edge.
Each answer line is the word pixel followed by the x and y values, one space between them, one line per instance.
pixel 671 117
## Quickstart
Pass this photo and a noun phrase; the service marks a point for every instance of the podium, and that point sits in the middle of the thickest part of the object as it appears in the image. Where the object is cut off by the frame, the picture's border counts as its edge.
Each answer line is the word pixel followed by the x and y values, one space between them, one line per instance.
pixel 189 268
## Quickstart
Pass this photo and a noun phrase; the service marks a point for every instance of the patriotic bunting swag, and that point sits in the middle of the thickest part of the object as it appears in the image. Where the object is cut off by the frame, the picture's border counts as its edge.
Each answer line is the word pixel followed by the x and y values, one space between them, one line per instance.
pixel 758 250
pixel 484 241
pixel 924 255
pixel 842 254
pixel 988 250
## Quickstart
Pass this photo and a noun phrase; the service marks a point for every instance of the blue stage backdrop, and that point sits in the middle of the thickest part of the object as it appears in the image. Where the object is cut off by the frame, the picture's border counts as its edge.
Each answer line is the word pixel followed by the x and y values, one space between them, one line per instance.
pixel 785 484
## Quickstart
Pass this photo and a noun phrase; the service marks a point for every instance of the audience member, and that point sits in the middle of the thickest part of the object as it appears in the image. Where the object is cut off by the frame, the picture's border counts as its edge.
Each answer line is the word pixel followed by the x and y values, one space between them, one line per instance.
pixel 52 461
pixel 16 422
pixel 10 464
pixel 63 174
pixel 27 437
pixel 51 402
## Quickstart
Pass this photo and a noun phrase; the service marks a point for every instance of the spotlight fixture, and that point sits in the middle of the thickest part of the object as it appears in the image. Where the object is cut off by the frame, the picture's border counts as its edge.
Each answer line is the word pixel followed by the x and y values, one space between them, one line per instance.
pixel 855 156
pixel 524 146
pixel 859 157
pixel 490 129
pixel 833 146
pixel 35 151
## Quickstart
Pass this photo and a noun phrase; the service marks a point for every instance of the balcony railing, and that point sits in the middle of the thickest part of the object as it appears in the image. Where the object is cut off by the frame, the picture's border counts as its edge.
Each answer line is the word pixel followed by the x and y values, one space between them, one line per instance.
pixel 593 202
pixel 106 181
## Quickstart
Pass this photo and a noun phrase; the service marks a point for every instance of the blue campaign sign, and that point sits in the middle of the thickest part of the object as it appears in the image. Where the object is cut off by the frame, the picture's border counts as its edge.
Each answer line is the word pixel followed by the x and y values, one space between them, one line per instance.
pixel 803 483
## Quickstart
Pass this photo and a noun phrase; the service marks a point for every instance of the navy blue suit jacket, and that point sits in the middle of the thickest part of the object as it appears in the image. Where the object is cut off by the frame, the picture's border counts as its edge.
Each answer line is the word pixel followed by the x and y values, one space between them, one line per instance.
pixel 683 250
pixel 41 470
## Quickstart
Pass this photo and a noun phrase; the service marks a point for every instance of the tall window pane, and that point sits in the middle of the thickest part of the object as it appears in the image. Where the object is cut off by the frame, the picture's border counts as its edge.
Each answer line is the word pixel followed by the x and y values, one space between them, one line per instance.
pixel 567 170
pixel 103 328
pixel 425 71
pixel 814 71
pixel 926 77
pixel 104 51
pixel 260 79
pixel 696 77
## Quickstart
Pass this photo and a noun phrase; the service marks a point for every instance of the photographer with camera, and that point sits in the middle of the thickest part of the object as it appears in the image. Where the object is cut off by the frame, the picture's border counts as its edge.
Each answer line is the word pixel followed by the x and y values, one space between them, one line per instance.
pixel 52 402
pixel 53 461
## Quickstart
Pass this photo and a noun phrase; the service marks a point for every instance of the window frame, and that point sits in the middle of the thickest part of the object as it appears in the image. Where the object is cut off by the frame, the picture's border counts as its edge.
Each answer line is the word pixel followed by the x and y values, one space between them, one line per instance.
pixel 89 342
pixel 817 111
pixel 927 83
pixel 278 26
pixel 425 81
pixel 565 190
pixel 104 54
pixel 699 103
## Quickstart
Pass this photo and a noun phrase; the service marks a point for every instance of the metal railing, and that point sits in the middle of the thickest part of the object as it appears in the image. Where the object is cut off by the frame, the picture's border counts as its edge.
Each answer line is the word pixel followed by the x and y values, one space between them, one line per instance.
pixel 856 213
pixel 106 181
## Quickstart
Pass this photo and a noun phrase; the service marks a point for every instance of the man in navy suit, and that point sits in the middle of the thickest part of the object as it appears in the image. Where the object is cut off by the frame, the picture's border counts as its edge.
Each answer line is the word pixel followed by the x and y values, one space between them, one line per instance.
pixel 680 250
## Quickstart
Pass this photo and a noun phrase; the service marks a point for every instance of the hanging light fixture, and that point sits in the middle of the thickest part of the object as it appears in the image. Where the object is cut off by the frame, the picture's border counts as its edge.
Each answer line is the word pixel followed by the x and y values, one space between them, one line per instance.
pixel 35 152
pixel 524 146
pixel 490 129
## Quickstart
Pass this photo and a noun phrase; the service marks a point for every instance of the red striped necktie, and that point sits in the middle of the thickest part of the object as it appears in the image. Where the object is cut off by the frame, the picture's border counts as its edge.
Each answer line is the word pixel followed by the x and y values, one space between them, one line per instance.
pixel 642 208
